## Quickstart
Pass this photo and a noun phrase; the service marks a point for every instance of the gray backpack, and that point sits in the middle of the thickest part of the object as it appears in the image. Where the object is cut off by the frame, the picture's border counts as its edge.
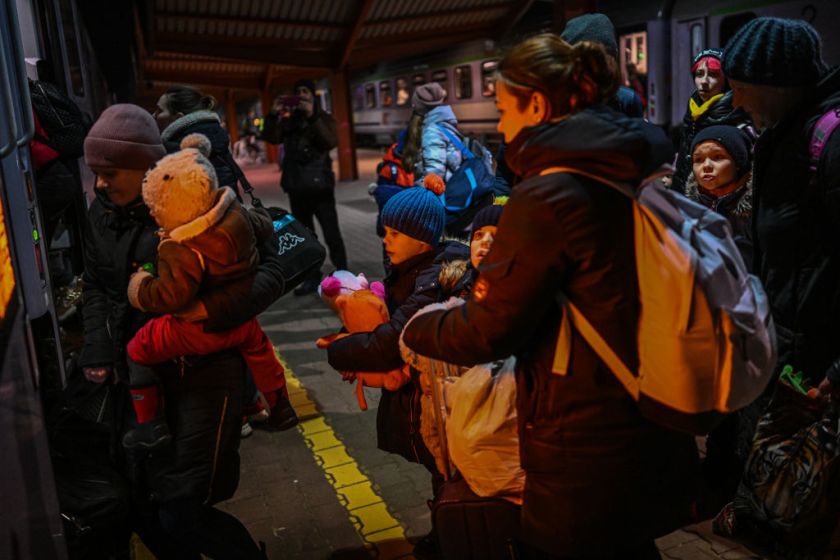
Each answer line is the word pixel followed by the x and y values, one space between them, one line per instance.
pixel 706 340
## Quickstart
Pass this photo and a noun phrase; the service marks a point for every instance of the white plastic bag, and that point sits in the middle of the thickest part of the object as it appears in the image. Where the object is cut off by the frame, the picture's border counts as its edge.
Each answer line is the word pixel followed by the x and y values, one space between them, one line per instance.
pixel 481 430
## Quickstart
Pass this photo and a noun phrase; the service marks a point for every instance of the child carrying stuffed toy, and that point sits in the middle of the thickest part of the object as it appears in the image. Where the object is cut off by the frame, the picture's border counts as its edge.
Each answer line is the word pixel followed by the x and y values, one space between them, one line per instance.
pixel 361 307
pixel 207 241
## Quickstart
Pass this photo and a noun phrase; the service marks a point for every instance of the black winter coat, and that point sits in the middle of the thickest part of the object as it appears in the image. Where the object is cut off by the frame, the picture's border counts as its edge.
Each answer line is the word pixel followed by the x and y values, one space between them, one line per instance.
pixel 208 124
pixel 721 112
pixel 204 397
pixel 797 234
pixel 410 286
pixel 307 166
pixel 599 477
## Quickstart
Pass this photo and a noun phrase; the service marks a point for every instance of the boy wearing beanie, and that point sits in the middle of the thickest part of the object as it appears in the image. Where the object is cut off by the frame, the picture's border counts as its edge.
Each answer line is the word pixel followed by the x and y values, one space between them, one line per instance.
pixel 778 75
pixel 414 221
pixel 207 241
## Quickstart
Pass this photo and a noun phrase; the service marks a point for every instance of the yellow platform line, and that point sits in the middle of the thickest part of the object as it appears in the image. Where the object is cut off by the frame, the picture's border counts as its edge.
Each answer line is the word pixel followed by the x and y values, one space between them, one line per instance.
pixel 365 508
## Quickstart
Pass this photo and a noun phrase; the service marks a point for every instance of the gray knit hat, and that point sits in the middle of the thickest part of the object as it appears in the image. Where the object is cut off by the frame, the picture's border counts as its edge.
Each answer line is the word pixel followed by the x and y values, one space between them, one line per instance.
pixel 775 52
pixel 427 97
pixel 124 137
pixel 591 27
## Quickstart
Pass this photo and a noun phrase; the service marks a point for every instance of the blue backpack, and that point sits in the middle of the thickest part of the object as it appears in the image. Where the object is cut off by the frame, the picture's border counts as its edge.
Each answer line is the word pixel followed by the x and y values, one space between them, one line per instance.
pixel 470 183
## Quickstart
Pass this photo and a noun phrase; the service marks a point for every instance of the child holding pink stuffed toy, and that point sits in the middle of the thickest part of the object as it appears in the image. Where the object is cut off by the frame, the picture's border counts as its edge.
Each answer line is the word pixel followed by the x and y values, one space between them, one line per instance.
pixel 207 241
pixel 414 222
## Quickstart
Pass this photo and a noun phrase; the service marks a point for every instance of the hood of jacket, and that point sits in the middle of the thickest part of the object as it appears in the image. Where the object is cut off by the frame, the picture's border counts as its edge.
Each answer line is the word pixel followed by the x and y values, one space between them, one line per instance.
pixel 203 122
pixel 442 114
pixel 597 141
pixel 737 203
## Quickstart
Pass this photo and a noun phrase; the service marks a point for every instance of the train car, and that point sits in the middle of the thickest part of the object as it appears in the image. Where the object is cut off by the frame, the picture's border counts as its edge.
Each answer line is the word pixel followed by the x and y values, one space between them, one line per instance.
pixel 660 38
pixel 382 95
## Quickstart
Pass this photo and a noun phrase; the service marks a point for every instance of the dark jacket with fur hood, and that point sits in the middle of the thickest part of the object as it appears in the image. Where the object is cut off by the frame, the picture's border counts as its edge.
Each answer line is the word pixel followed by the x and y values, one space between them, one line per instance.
pixel 736 207
pixel 720 112
pixel 591 460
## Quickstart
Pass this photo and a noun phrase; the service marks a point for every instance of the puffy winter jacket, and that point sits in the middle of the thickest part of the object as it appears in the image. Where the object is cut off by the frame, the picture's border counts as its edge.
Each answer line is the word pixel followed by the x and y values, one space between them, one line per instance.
pixel 208 124
pixel 439 155
pixel 410 286
pixel 591 460
pixel 719 112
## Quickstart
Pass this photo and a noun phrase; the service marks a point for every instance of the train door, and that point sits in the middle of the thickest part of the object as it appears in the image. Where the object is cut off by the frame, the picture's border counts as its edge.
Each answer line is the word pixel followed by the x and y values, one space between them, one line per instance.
pixel 31 526
pixel 689 40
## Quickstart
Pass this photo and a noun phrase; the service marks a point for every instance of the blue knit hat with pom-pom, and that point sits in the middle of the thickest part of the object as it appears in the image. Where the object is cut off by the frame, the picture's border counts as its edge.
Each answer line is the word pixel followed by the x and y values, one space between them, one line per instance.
pixel 416 212
pixel 775 52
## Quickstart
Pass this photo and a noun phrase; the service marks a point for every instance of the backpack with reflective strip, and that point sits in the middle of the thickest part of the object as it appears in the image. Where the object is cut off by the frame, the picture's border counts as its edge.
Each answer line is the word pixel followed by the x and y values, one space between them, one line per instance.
pixel 706 340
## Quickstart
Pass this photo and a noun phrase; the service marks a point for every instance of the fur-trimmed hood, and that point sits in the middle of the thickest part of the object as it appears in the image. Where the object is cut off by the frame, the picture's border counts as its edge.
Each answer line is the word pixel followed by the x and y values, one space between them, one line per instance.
pixel 178 127
pixel 736 204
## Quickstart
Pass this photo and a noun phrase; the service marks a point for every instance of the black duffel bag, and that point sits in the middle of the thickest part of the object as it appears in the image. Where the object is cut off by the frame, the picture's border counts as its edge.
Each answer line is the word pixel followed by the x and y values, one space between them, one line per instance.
pixel 294 246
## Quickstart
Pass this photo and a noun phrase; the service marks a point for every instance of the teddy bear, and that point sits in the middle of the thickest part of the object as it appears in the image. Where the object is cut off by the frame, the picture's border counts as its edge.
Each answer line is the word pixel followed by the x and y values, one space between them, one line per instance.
pixel 361 307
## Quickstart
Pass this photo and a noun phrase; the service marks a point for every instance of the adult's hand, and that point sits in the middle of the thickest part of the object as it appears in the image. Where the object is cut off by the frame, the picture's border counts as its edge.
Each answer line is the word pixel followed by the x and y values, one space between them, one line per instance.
pixel 97 374
pixel 828 389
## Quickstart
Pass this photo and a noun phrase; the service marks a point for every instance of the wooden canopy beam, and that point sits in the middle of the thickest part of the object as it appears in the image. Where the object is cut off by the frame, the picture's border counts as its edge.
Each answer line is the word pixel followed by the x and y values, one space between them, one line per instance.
pixel 442 13
pixel 205 79
pixel 455 34
pixel 510 19
pixel 372 55
pixel 362 11
pixel 315 26
pixel 261 50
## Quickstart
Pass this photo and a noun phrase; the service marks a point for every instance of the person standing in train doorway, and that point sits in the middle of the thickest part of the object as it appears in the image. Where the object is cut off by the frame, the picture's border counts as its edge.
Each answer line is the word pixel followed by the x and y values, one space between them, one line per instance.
pixel 308 134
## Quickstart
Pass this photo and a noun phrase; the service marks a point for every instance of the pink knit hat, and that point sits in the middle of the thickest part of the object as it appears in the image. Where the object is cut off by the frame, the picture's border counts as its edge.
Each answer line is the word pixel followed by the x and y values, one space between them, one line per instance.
pixel 124 137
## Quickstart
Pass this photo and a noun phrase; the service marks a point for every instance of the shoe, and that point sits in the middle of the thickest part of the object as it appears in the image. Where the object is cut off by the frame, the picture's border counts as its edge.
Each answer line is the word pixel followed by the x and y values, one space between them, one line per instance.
pixel 150 435
pixel 283 416
pixel 427 548
pixel 247 430
pixel 307 287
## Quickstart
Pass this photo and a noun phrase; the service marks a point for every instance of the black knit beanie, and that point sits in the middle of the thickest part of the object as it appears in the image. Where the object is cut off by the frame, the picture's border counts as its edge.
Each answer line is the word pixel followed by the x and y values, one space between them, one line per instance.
pixel 775 52
pixel 591 27
pixel 732 139
pixel 488 216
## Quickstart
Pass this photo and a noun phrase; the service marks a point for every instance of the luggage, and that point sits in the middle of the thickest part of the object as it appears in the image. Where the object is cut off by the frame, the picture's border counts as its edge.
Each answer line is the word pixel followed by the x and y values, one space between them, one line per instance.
pixel 706 341
pixel 294 246
pixel 65 124
pixel 789 496
pixel 468 527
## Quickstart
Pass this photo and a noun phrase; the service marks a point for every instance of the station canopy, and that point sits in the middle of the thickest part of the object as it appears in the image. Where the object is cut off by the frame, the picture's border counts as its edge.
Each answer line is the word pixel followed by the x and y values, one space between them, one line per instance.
pixel 266 44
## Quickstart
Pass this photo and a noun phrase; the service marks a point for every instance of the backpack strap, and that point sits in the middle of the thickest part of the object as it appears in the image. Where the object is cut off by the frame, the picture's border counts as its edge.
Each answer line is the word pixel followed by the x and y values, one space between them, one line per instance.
pixel 456 142
pixel 820 135
pixel 240 177
pixel 573 315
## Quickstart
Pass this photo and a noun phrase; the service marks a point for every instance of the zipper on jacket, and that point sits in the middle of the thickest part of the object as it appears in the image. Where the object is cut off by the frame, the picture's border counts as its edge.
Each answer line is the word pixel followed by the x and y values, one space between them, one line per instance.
pixel 216 449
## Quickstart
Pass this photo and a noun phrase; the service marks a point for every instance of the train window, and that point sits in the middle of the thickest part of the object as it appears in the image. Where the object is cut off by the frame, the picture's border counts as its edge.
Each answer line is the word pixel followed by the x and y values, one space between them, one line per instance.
pixel 403 92
pixel 463 82
pixel 71 47
pixel 418 80
pixel 385 97
pixel 698 39
pixel 359 98
pixel 731 24
pixel 488 78
pixel 440 77
pixel 370 96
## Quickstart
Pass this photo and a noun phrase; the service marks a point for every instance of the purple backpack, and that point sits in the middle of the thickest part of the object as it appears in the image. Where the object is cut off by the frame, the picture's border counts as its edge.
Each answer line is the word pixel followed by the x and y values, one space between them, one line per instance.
pixel 825 126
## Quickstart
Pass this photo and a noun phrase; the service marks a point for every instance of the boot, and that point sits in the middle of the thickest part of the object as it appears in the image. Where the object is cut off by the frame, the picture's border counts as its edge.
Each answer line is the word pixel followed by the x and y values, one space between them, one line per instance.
pixel 151 435
pixel 283 416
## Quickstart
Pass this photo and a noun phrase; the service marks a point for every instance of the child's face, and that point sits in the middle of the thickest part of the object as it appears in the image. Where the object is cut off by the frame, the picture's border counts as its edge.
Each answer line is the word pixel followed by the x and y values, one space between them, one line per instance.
pixel 122 186
pixel 400 247
pixel 713 166
pixel 482 239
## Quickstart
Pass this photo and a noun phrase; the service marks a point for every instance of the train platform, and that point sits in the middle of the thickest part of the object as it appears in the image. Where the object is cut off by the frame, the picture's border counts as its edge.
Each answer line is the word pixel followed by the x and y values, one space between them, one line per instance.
pixel 324 490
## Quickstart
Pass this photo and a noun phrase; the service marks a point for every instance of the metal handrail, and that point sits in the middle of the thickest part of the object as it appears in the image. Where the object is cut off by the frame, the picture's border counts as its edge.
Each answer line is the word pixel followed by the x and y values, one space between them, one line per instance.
pixel 23 84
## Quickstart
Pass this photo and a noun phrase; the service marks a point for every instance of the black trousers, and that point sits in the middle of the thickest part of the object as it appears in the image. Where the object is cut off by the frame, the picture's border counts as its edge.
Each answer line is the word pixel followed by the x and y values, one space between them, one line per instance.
pixel 306 207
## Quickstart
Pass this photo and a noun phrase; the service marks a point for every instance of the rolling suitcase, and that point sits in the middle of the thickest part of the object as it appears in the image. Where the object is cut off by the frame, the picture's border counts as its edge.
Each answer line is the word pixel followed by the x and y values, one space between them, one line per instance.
pixel 468 526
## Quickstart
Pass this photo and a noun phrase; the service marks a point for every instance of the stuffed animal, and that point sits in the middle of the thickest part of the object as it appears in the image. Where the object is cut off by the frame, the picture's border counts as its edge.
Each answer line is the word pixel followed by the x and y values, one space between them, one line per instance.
pixel 361 307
